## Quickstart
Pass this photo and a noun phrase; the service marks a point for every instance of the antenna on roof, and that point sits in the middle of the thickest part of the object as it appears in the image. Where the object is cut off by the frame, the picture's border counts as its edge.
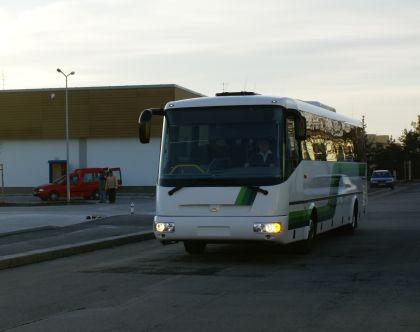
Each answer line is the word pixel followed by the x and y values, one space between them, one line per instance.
pixel 224 85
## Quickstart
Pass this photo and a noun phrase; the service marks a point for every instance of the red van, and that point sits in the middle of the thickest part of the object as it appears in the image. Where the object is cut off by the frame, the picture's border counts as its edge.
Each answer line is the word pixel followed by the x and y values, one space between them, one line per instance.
pixel 84 182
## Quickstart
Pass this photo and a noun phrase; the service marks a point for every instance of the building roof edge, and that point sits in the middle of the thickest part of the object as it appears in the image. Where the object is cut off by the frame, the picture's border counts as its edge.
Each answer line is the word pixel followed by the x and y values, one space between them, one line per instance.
pixel 110 87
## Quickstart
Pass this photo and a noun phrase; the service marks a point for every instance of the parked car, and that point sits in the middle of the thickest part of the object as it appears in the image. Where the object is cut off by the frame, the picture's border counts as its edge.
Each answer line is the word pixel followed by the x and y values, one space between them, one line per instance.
pixel 83 183
pixel 382 178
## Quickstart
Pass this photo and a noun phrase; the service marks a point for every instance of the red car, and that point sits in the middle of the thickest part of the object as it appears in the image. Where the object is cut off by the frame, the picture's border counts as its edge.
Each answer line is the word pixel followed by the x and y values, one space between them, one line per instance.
pixel 84 182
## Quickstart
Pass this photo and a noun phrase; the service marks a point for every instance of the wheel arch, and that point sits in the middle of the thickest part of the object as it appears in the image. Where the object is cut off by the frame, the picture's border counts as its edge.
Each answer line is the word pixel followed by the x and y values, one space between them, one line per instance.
pixel 312 212
pixel 313 215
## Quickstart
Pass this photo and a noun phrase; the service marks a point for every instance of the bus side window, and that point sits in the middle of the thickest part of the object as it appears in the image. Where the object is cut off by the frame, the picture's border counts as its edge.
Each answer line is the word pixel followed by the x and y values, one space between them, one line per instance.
pixel 292 147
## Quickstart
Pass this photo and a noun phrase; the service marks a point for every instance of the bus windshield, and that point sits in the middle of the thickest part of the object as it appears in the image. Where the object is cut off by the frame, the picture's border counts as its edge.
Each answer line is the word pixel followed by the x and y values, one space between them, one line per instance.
pixel 229 146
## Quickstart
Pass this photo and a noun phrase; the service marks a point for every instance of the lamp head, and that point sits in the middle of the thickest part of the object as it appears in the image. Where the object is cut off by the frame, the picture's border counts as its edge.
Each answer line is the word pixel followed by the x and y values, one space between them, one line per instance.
pixel 72 73
pixel 59 70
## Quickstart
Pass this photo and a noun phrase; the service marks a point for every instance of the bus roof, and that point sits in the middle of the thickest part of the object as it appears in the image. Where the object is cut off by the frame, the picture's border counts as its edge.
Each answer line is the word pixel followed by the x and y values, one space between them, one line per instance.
pixel 288 103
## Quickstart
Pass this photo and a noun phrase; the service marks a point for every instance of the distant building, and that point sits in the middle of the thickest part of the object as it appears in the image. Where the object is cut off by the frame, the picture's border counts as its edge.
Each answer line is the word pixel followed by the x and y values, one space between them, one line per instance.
pixel 103 132
pixel 378 141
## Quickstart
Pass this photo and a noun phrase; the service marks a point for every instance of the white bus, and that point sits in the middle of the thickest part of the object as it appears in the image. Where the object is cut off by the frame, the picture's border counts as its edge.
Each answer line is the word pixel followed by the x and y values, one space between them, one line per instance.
pixel 247 167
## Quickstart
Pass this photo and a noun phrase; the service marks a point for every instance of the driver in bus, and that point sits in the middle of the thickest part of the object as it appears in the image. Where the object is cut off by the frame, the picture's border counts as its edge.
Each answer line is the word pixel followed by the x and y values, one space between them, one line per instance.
pixel 264 157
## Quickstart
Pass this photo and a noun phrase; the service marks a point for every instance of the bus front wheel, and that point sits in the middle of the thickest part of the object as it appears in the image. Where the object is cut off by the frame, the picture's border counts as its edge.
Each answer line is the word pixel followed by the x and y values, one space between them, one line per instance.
pixel 351 228
pixel 194 247
pixel 304 247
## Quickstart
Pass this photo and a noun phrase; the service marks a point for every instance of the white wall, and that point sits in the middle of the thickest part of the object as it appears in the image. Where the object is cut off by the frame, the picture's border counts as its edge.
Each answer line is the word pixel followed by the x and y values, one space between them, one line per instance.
pixel 138 162
pixel 26 161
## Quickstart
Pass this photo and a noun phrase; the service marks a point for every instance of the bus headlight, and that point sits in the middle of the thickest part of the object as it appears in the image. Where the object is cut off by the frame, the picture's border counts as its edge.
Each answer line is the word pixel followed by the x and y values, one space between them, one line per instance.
pixel 272 227
pixel 164 227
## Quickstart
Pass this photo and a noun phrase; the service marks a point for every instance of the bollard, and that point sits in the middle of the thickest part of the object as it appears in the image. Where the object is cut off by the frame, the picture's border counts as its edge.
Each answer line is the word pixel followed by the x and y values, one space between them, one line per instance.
pixel 132 208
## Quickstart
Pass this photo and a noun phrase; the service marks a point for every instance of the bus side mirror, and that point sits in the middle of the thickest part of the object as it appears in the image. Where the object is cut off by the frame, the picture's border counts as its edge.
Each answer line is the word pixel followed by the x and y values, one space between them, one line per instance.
pixel 300 125
pixel 145 123
pixel 145 126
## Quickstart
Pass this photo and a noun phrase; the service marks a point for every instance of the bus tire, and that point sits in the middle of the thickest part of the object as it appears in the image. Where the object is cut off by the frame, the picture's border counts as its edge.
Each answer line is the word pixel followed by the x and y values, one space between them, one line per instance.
pixel 351 228
pixel 305 246
pixel 195 247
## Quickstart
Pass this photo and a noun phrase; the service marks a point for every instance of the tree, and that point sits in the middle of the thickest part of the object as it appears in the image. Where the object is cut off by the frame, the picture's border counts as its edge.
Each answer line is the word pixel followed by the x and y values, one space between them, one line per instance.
pixel 369 150
pixel 410 140
pixel 396 157
pixel 391 157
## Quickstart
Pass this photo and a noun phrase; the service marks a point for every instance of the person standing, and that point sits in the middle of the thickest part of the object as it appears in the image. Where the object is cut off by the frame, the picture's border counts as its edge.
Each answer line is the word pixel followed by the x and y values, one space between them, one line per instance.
pixel 101 188
pixel 111 187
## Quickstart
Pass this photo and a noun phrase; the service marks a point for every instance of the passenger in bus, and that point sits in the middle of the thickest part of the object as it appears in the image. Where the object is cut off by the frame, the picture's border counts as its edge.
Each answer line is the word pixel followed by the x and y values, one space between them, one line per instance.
pixel 236 153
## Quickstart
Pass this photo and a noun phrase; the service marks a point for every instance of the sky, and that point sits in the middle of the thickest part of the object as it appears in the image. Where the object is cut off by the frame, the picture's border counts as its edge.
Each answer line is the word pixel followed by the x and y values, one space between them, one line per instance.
pixel 361 56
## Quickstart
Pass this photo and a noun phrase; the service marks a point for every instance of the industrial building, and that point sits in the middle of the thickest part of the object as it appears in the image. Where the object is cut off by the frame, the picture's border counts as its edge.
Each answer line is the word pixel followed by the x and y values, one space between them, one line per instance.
pixel 103 132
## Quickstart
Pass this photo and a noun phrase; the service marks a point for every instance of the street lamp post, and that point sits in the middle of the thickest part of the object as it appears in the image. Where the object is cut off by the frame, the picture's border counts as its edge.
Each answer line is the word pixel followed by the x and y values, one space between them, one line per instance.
pixel 67 137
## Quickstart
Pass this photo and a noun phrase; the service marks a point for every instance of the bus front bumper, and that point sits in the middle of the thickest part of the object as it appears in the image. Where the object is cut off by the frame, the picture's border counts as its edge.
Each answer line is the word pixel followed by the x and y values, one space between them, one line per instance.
pixel 221 229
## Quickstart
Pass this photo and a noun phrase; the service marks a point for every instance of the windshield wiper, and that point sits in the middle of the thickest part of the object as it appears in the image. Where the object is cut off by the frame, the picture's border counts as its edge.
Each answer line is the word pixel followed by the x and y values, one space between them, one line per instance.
pixel 189 184
pixel 192 183
pixel 258 189
pixel 174 190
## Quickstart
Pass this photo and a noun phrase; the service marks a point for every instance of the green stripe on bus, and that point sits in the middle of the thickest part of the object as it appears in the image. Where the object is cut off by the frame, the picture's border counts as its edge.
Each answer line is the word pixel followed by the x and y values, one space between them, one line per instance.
pixel 246 196
pixel 350 169
pixel 326 212
pixel 298 219
pixel 301 218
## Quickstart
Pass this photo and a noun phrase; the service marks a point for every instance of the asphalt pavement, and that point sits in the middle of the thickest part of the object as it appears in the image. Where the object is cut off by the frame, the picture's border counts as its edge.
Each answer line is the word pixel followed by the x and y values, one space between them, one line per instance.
pixel 32 231
pixel 24 212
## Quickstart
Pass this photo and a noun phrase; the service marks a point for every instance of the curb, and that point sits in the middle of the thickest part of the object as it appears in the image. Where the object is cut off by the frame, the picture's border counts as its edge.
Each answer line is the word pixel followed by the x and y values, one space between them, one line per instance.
pixel 28 230
pixel 41 255
pixel 41 203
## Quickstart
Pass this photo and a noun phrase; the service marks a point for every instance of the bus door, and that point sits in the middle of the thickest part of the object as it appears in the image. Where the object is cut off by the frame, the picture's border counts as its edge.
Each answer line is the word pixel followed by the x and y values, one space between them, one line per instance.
pixel 292 147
